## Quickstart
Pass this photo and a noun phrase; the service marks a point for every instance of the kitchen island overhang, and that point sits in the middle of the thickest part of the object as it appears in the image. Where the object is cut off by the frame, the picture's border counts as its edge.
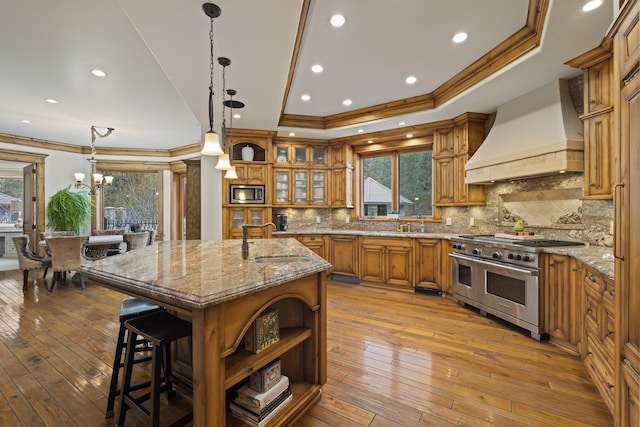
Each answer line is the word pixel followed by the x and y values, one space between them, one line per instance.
pixel 222 295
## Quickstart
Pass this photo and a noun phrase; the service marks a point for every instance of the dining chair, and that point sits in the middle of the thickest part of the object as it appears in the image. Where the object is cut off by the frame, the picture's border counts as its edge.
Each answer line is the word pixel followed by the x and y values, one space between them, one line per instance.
pixel 136 240
pixel 44 235
pixel 67 254
pixel 27 260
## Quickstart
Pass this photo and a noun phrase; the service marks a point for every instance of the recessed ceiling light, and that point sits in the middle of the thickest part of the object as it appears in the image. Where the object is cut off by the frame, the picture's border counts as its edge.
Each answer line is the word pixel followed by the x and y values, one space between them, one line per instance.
pixel 460 37
pixel 292 134
pixel 409 135
pixel 237 116
pixel 98 73
pixel 402 123
pixel 370 141
pixel 305 97
pixel 51 101
pixel 347 102
pixel 317 68
pixel 25 121
pixel 337 20
pixel 410 80
pixel 591 5
pixel 360 130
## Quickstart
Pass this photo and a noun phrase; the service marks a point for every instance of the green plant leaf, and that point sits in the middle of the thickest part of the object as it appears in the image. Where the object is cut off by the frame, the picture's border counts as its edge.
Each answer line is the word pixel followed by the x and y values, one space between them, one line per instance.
pixel 68 210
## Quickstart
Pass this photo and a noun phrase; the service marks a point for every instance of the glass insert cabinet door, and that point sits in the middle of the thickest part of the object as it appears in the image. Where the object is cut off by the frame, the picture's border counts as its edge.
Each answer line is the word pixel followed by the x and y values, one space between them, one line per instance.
pixel 300 155
pixel 319 187
pixel 238 218
pixel 282 186
pixel 300 186
pixel 319 155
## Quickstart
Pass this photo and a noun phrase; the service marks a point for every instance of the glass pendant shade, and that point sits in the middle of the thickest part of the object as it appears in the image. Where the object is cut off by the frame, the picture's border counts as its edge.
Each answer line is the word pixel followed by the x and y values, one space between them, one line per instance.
pixel 231 173
pixel 79 177
pixel 211 145
pixel 223 162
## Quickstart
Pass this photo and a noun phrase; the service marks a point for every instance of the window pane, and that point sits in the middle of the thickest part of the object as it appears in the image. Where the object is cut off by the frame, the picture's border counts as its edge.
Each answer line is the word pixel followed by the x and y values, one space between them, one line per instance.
pixel 132 199
pixel 414 180
pixel 376 185
pixel 10 200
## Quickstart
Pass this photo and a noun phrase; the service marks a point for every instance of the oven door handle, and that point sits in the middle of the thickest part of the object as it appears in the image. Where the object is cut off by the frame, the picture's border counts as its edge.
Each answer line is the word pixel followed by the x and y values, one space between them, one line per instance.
pixel 528 272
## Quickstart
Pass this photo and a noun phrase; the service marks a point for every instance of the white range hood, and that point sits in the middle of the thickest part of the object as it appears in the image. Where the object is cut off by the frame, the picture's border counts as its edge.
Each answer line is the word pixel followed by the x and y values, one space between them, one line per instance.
pixel 536 134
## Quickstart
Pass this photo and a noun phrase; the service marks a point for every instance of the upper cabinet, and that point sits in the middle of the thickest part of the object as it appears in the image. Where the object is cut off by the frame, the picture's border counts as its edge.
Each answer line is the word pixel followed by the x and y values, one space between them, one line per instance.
pixel 597 66
pixel 452 148
pixel 300 155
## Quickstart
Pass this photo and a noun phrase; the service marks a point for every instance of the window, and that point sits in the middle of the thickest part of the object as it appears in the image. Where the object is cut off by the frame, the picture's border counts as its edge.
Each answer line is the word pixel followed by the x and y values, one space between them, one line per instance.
pixel 397 183
pixel 132 200
pixel 10 200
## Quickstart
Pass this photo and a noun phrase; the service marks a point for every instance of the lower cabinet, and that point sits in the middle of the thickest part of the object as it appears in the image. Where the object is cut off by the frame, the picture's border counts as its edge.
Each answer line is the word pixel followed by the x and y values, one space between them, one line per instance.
pixel 343 255
pixel 598 349
pixel 316 242
pixel 630 403
pixel 561 306
pixel 427 262
pixel 386 261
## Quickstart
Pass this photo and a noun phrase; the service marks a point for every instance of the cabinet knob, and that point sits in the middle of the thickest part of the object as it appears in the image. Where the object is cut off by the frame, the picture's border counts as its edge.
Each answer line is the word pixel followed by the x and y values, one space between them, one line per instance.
pixel 610 386
pixel 612 293
pixel 592 101
pixel 592 278
pixel 589 310
pixel 609 333
pixel 312 238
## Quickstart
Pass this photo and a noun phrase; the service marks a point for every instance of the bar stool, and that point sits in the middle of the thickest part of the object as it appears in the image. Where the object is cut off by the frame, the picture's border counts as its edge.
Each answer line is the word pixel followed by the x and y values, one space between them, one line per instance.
pixel 160 329
pixel 130 308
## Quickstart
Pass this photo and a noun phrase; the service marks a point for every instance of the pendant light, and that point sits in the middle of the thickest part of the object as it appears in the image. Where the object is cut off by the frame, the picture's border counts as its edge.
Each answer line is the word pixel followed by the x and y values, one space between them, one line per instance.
pixel 223 160
pixel 211 145
pixel 231 173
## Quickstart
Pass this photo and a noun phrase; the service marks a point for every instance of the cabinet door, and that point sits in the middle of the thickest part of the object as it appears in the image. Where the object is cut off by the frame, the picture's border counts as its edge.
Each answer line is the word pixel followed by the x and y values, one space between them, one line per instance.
pixel 597 87
pixel 318 190
pixel 300 185
pixel 250 173
pixel 338 196
pixel 343 255
pixel 427 262
pixel 444 172
pixel 282 183
pixel 318 156
pixel 282 154
pixel 460 188
pixel 315 243
pixel 253 216
pixel 630 402
pixel 399 263
pixel 372 262
pixel 560 299
pixel 598 153
pixel 443 142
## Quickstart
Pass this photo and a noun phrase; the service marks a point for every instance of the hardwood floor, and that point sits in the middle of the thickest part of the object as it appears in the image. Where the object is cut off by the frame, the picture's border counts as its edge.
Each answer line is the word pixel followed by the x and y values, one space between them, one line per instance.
pixel 394 359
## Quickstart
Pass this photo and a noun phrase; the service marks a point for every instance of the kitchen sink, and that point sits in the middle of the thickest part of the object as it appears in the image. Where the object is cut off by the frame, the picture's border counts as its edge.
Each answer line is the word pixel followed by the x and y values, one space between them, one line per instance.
pixel 282 258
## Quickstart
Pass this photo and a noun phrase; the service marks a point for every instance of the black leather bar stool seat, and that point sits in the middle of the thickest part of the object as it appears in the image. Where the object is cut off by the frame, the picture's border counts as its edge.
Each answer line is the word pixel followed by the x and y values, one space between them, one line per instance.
pixel 160 329
pixel 130 309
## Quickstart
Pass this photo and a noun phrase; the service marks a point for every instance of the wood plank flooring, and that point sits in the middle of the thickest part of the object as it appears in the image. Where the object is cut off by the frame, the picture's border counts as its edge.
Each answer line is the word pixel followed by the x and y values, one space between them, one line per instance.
pixel 394 359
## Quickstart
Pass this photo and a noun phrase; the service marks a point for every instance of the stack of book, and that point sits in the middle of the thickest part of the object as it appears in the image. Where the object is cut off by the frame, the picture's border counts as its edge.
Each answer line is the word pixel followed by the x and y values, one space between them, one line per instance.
pixel 257 408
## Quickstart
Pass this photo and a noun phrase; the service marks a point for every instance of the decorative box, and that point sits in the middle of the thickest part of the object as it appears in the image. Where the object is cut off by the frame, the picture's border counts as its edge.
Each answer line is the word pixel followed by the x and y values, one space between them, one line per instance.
pixel 266 377
pixel 263 332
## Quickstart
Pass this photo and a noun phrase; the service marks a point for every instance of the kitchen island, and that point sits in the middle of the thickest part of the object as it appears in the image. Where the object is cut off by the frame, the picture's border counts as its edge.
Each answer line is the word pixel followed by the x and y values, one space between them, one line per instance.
pixel 209 283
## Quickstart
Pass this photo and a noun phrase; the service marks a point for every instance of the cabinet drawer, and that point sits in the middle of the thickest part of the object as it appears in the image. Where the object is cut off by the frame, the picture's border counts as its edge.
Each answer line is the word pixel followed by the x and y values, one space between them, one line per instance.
pixel 593 281
pixel 592 311
pixel 600 370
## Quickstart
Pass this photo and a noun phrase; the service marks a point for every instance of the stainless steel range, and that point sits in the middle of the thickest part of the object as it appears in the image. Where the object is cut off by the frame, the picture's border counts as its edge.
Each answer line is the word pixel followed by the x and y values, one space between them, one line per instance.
pixel 501 276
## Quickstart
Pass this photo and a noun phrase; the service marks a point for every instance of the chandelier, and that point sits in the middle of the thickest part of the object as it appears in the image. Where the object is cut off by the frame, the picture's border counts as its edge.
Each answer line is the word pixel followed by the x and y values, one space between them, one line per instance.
pixel 97 179
pixel 211 145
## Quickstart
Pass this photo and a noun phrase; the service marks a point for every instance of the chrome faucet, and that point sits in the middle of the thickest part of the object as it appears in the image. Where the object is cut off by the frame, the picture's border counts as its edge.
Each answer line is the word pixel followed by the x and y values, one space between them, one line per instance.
pixel 245 244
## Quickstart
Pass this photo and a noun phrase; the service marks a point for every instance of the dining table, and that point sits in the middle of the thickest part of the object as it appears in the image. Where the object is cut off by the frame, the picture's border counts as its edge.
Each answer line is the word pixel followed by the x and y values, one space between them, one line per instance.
pixel 96 247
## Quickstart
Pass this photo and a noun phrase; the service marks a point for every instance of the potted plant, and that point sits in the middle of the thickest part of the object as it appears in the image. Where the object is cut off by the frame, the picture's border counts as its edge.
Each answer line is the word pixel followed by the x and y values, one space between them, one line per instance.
pixel 68 210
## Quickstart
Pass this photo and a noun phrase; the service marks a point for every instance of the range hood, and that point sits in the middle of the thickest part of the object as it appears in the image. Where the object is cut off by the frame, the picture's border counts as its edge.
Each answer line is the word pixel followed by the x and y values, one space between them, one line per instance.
pixel 536 134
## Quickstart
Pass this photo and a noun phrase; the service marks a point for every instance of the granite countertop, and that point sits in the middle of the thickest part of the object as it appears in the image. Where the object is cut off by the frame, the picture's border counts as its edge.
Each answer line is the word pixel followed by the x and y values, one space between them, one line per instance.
pixel 413 235
pixel 200 273
pixel 599 258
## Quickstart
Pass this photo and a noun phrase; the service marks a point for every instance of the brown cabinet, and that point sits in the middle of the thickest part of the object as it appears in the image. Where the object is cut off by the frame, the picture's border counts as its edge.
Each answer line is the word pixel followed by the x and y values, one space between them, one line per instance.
pixel 597 86
pixel 343 255
pixel 598 332
pixel 561 301
pixel 598 155
pixel 386 261
pixel 234 217
pixel 452 148
pixel 427 262
pixel 341 180
pixel 316 242
pixel 309 187
pixel 626 38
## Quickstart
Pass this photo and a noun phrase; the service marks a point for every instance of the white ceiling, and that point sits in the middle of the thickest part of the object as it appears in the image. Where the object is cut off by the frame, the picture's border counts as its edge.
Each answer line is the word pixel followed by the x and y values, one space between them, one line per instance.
pixel 156 55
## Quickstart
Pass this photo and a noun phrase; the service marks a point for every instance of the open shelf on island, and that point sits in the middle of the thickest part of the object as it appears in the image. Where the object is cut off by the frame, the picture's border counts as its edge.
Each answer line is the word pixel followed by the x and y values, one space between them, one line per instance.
pixel 243 363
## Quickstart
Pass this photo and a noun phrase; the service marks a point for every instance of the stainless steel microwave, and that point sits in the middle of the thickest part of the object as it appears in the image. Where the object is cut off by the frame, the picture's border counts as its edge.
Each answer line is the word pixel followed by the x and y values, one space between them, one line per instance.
pixel 249 194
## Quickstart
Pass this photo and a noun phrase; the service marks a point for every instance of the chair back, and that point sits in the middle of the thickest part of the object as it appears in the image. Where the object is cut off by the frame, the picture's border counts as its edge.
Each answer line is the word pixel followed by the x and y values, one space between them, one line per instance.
pixel 26 259
pixel 116 232
pixel 152 236
pixel 66 252
pixel 136 240
pixel 44 235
